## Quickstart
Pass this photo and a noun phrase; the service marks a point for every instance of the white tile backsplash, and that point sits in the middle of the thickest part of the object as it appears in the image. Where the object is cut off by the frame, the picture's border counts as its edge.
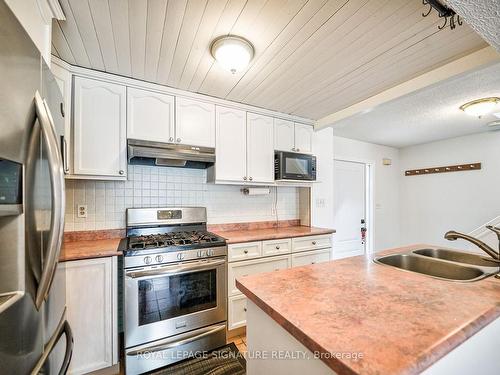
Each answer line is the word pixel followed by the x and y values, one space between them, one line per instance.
pixel 162 186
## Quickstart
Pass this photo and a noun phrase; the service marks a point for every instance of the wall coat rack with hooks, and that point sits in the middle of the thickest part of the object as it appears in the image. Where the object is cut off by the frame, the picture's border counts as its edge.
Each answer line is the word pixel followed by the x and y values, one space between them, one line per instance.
pixel 449 15
pixel 445 169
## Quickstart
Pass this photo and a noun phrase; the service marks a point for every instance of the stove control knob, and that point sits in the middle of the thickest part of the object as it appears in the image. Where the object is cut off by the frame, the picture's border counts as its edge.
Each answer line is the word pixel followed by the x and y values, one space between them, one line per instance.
pixel 180 256
pixel 210 252
pixel 200 253
pixel 147 260
pixel 159 258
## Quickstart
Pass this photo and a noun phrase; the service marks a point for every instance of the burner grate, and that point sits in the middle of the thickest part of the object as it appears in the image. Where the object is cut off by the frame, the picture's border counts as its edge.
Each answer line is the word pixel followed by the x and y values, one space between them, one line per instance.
pixel 153 241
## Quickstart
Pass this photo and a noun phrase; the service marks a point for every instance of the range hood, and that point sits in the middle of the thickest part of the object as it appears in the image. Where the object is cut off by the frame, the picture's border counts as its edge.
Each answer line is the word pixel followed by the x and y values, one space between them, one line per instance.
pixel 169 154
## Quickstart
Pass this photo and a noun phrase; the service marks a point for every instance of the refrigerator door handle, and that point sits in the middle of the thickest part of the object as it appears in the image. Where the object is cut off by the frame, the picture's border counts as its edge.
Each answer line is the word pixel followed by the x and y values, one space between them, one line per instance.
pixel 58 200
pixel 62 328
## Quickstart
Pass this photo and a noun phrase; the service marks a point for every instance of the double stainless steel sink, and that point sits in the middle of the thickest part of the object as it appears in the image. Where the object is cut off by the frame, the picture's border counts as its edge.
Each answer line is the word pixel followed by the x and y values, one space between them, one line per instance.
pixel 442 264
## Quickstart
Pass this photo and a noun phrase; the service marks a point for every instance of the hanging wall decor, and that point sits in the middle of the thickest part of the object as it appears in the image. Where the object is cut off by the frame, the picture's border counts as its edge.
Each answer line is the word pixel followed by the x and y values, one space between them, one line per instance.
pixel 449 15
pixel 445 169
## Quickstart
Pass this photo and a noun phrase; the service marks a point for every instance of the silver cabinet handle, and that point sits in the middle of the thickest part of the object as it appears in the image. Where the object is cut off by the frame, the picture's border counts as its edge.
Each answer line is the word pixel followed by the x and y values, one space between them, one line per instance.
pixel 58 200
pixel 179 140
pixel 245 178
pixel 65 156
pixel 171 139
pixel 250 178
pixel 121 172
pixel 171 343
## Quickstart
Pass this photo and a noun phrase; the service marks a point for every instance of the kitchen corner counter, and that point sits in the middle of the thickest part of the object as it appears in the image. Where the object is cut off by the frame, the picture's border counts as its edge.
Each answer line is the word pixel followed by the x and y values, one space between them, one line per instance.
pixel 401 322
pixel 91 244
pixel 261 234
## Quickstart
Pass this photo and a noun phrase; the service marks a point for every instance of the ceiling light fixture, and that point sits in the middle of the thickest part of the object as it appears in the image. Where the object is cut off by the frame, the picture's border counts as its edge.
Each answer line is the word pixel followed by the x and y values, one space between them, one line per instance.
pixel 233 53
pixel 480 107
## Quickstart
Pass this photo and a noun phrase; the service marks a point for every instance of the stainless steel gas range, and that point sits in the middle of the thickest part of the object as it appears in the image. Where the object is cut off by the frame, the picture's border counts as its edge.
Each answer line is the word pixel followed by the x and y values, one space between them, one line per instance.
pixel 175 287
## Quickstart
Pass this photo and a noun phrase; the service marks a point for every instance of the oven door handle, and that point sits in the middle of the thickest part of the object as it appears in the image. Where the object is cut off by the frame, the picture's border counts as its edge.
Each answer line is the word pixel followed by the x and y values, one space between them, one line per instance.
pixel 171 270
pixel 169 344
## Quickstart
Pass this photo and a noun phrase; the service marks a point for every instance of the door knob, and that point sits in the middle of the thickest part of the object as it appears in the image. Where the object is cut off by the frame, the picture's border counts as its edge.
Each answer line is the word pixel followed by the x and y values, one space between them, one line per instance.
pixel 251 178
pixel 298 150
pixel 179 140
pixel 171 139
pixel 245 251
pixel 245 178
pixel 293 148
pixel 314 242
pixel 121 171
pixel 277 247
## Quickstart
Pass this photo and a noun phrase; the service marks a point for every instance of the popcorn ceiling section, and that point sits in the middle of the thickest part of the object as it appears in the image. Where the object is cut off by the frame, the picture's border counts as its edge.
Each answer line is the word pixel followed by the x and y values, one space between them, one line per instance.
pixel 107 201
pixel 482 16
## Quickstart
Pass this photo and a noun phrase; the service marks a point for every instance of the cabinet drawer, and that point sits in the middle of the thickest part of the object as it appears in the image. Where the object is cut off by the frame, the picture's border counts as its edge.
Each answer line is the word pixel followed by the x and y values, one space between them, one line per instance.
pixel 252 267
pixel 311 257
pixel 276 247
pixel 311 243
pixel 237 312
pixel 242 251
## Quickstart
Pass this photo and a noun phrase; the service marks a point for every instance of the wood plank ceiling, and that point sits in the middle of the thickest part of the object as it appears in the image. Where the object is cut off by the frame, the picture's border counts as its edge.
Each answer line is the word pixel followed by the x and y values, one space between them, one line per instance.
pixel 312 57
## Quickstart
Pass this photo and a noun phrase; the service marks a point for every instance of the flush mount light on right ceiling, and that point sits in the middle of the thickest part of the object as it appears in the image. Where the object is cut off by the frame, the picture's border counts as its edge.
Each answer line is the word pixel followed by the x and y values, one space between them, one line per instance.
pixel 480 107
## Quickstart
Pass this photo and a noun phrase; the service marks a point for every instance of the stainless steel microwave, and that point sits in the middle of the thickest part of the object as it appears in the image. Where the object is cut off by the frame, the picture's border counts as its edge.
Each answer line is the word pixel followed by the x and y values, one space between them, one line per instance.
pixel 294 166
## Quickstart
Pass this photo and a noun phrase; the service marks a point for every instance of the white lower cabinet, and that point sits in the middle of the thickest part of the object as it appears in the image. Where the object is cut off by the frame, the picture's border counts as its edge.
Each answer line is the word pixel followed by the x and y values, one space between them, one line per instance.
pixel 250 258
pixel 252 267
pixel 310 257
pixel 91 300
pixel 237 311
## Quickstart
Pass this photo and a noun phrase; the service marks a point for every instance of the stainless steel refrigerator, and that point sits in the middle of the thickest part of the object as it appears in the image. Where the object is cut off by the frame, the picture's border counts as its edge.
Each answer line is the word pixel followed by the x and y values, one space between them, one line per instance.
pixel 34 334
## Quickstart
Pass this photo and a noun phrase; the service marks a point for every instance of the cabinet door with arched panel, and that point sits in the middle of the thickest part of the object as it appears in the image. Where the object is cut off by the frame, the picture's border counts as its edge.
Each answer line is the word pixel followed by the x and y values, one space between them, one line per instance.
pixel 194 122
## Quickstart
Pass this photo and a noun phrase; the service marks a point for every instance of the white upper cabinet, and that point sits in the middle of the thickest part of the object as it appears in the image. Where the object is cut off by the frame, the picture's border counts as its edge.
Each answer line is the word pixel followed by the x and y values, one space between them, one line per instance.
pixel 303 138
pixel 195 122
pixel 284 135
pixel 150 115
pixel 230 149
pixel 290 136
pixel 100 144
pixel 260 148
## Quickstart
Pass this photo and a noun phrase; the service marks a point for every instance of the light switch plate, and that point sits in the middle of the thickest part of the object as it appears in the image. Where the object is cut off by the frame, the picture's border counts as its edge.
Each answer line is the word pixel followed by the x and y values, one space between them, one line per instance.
pixel 320 202
pixel 81 211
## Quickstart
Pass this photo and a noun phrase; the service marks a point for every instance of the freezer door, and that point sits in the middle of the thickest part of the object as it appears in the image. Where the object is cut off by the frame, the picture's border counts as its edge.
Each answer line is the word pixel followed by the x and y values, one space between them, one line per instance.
pixel 21 337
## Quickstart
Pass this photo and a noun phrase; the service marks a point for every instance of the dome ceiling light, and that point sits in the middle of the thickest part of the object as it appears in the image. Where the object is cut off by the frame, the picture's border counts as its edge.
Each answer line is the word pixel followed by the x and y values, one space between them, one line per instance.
pixel 480 107
pixel 232 52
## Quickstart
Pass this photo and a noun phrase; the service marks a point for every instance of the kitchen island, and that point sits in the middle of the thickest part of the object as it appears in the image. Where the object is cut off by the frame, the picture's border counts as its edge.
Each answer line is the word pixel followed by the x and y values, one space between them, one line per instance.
pixel 353 316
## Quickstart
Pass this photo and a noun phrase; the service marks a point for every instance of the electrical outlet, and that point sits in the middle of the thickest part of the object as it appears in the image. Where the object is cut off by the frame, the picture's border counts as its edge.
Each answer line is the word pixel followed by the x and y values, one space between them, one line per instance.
pixel 81 211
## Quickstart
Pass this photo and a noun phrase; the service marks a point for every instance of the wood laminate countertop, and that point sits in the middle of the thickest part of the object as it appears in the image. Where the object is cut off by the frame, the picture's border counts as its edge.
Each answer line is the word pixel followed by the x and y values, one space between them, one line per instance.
pixel 91 244
pixel 261 234
pixel 401 322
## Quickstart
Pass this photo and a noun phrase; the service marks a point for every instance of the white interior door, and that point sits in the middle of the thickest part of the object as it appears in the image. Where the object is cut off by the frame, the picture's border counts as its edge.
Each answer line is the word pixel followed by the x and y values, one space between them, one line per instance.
pixel 349 201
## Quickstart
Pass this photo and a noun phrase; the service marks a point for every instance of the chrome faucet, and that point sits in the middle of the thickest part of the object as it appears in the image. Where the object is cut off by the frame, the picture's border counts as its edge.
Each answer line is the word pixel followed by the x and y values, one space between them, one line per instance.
pixel 494 255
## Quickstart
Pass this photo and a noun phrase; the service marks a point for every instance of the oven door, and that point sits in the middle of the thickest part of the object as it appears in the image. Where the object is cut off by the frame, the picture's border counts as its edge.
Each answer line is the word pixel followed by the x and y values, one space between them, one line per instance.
pixel 164 301
pixel 295 166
